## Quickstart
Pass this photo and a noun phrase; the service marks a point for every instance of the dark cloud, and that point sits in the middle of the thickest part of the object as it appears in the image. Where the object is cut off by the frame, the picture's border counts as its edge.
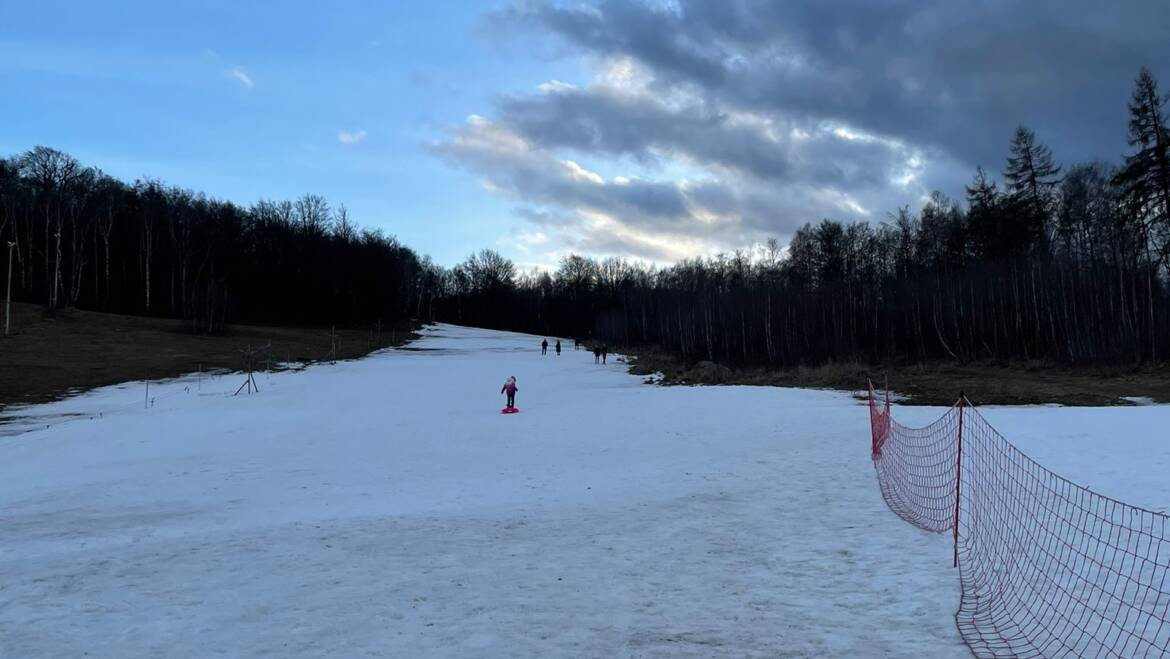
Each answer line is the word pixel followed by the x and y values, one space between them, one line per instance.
pixel 602 120
pixel 953 76
pixel 513 167
pixel 616 124
pixel 646 218
pixel 748 118
pixel 562 195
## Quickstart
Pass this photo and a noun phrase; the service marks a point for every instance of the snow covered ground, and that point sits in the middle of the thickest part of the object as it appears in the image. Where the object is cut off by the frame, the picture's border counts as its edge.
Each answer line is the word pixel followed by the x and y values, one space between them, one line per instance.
pixel 384 507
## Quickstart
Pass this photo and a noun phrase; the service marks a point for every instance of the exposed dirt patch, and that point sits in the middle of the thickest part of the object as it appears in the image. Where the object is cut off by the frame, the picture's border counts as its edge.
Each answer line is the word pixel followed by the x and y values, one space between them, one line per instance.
pixel 937 384
pixel 53 354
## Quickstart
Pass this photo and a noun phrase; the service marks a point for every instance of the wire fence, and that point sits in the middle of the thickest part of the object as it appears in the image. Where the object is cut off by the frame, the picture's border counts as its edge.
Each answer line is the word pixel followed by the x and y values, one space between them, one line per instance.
pixel 1047 568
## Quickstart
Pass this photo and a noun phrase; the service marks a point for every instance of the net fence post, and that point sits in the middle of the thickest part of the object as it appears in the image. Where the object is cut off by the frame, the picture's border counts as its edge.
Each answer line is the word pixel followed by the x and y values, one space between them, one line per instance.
pixel 878 422
pixel 873 444
pixel 958 476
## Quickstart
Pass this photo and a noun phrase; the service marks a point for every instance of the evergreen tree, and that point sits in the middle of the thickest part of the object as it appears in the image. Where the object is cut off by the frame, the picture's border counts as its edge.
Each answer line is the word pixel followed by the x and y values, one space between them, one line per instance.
pixel 1145 177
pixel 1031 179
pixel 985 218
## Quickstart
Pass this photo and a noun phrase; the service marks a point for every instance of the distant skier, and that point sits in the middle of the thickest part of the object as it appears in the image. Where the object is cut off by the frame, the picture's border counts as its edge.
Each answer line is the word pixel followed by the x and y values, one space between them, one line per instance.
pixel 604 352
pixel 510 388
pixel 596 355
pixel 544 347
pixel 576 344
pixel 558 347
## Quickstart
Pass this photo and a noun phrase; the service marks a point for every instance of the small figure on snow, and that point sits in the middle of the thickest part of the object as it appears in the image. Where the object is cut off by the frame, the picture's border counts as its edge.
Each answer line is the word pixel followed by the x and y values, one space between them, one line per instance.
pixel 544 347
pixel 604 352
pixel 576 344
pixel 510 388
pixel 558 347
pixel 596 355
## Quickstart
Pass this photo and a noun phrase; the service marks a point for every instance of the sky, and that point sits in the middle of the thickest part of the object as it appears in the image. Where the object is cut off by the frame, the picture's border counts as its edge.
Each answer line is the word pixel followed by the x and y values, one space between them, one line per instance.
pixel 655 130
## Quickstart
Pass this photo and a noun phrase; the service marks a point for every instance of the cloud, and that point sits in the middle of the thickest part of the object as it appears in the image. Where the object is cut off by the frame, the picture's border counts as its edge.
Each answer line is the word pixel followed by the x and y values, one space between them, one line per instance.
pixel 616 122
pixel 655 219
pixel 525 242
pixel 241 76
pixel 698 180
pixel 508 163
pixel 710 126
pixel 349 139
pixel 949 76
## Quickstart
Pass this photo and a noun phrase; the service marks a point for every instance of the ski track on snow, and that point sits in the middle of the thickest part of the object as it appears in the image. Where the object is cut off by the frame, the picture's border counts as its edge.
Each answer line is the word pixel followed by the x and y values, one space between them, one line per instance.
pixel 384 508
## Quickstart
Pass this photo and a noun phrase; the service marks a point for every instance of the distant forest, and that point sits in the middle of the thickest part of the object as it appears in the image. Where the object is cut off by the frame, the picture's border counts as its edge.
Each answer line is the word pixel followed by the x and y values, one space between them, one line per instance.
pixel 1064 265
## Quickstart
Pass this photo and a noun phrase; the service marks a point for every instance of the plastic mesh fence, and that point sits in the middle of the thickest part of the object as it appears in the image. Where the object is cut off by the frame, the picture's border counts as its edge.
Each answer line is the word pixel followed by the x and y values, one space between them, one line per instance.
pixel 1047 568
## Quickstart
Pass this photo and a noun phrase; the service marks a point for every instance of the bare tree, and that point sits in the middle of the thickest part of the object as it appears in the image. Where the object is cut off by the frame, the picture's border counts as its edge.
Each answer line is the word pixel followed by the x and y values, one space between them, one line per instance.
pixel 51 172
pixel 343 227
pixel 312 214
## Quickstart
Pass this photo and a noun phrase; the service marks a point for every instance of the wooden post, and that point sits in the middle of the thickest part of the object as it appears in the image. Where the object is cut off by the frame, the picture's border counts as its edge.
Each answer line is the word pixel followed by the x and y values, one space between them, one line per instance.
pixel 958 475
pixel 146 397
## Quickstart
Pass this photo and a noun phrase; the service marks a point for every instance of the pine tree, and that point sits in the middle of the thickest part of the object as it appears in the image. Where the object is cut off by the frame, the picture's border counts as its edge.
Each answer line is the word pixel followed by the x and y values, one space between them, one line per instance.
pixel 1031 179
pixel 984 217
pixel 982 194
pixel 1145 178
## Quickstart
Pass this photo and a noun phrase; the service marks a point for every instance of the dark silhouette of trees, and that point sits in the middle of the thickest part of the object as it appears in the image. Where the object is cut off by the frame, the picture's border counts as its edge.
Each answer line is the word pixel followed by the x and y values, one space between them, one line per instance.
pixel 1035 267
pixel 85 239
pixel 1061 270
pixel 1145 177
pixel 1030 179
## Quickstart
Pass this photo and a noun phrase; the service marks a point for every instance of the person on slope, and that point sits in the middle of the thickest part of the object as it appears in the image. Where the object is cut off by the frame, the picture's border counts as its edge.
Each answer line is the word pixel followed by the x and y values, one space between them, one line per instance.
pixel 544 347
pixel 604 352
pixel 558 347
pixel 510 388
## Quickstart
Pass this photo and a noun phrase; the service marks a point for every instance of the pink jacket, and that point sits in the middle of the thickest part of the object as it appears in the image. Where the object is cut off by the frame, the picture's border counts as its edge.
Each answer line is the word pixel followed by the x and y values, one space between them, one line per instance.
pixel 510 386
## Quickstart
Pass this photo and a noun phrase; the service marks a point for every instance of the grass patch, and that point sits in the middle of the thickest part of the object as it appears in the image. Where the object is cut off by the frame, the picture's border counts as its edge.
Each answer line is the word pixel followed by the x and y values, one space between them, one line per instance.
pixel 51 355
pixel 933 384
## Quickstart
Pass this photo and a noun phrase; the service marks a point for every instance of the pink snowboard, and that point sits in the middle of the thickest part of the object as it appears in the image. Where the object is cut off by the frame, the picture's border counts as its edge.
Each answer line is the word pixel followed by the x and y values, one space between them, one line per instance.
pixel 510 410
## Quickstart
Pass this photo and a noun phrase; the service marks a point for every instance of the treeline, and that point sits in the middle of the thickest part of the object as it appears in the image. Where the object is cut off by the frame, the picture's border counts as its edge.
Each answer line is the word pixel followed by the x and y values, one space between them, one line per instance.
pixel 78 237
pixel 1063 265
pixel 1066 266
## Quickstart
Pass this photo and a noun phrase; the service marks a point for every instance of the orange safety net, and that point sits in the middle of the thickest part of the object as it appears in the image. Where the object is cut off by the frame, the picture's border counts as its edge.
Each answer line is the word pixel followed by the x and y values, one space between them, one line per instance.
pixel 1048 568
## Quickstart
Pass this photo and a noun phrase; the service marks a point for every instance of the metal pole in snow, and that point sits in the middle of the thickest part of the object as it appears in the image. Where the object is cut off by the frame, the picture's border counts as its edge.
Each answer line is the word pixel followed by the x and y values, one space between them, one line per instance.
pixel 958 475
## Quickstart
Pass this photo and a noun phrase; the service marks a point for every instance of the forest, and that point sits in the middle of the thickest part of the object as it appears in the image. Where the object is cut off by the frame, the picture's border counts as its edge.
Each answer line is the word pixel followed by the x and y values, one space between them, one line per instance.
pixel 80 238
pixel 1060 264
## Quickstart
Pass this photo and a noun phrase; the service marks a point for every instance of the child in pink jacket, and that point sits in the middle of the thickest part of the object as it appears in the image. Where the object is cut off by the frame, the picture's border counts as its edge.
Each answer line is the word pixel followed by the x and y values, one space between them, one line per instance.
pixel 510 388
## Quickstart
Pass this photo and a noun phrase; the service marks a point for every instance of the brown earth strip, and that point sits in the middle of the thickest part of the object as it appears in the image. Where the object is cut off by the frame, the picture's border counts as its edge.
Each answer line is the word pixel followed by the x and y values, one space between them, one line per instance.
pixel 937 384
pixel 53 354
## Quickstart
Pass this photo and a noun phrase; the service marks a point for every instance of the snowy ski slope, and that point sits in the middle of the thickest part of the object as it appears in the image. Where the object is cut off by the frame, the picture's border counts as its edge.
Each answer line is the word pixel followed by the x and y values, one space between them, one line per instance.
pixel 384 508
